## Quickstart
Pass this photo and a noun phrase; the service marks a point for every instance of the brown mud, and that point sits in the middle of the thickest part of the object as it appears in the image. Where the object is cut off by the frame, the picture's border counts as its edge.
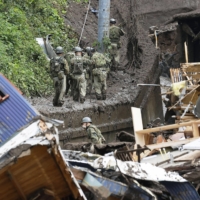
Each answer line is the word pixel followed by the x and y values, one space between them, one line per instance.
pixel 139 64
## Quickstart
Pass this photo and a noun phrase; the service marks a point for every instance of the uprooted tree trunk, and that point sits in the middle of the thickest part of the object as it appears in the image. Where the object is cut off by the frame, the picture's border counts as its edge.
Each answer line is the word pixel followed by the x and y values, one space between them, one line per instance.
pixel 134 51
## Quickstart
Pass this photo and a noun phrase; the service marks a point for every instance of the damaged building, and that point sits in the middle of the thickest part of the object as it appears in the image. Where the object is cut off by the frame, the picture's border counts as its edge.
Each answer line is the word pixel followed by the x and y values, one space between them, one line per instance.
pixel 45 154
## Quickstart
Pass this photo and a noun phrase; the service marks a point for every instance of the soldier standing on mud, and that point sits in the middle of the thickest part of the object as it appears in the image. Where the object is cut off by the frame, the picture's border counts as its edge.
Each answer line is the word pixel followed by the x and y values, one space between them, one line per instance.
pixel 78 75
pixel 88 68
pixel 69 56
pixel 114 35
pixel 100 71
pixel 59 69
pixel 94 134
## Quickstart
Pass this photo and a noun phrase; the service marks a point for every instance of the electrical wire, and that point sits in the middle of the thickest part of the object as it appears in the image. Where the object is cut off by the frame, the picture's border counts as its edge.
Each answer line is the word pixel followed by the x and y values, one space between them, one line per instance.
pixel 84 23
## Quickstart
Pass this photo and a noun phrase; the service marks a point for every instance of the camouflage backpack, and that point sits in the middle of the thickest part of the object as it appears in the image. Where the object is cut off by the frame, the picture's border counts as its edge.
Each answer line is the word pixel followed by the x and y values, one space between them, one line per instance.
pixel 78 65
pixel 56 64
pixel 97 131
pixel 99 60
pixel 114 33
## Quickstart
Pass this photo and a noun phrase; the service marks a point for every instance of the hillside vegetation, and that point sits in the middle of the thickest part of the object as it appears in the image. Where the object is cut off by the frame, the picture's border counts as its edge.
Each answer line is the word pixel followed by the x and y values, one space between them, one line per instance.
pixel 21 58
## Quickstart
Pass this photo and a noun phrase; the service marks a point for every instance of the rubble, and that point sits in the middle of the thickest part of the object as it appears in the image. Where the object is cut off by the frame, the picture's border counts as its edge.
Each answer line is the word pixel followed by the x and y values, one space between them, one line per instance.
pixel 159 162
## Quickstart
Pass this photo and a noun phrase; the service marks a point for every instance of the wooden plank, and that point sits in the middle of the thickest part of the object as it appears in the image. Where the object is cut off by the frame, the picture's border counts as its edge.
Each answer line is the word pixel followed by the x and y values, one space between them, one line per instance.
pixel 186 52
pixel 138 125
pixel 193 76
pixel 168 127
pixel 169 144
pixel 190 64
pixel 78 174
pixel 66 173
pixel 191 69
pixel 171 75
pixel 189 157
pixel 195 130
pixel 17 186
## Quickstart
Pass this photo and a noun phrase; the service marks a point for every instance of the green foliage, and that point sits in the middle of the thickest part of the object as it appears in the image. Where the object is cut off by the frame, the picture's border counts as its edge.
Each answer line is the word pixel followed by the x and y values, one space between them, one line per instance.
pixel 22 60
pixel 106 45
pixel 81 1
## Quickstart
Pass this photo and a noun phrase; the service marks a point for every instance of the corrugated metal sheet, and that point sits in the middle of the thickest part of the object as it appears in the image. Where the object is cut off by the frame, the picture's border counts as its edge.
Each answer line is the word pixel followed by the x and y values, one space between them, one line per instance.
pixel 114 187
pixel 181 191
pixel 119 189
pixel 15 112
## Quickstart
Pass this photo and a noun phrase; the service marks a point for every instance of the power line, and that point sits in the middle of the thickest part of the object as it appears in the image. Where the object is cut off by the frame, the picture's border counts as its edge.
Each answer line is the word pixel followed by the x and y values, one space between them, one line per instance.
pixel 84 23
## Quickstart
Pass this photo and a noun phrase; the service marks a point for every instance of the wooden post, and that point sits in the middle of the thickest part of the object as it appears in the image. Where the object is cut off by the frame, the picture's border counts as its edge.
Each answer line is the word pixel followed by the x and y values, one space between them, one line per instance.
pixel 186 52
pixel 156 37
pixel 195 129
pixel 138 125
pixel 186 60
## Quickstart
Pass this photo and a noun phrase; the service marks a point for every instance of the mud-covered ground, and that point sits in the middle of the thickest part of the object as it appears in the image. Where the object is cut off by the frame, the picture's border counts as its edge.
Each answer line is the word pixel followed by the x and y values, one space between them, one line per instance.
pixel 137 50
pixel 121 88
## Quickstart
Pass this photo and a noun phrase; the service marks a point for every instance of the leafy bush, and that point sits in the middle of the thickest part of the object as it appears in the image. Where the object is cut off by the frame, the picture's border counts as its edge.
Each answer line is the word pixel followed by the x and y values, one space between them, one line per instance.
pixel 22 59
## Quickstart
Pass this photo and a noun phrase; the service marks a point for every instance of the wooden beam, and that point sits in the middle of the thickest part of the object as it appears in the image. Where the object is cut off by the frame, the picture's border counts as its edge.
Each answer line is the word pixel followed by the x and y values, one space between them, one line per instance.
pixel 66 173
pixel 191 69
pixel 78 174
pixel 169 144
pixel 189 157
pixel 168 127
pixel 190 64
pixel 195 130
pixel 17 186
pixel 193 76
pixel 138 125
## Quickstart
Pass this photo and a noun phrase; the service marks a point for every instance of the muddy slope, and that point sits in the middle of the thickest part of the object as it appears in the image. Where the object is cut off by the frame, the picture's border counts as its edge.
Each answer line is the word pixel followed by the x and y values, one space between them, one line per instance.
pixel 139 64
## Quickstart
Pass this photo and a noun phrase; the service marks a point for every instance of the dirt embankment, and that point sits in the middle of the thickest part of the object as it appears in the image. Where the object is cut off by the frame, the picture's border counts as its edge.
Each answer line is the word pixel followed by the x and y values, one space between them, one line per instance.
pixel 139 64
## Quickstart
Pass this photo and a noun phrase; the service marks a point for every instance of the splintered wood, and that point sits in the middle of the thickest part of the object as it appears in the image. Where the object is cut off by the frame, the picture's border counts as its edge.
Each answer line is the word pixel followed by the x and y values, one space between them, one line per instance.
pixel 191 71
pixel 176 75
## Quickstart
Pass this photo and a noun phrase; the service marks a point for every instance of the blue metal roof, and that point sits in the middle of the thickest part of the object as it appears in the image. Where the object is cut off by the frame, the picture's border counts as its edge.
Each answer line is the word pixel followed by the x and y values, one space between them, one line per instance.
pixel 182 191
pixel 15 112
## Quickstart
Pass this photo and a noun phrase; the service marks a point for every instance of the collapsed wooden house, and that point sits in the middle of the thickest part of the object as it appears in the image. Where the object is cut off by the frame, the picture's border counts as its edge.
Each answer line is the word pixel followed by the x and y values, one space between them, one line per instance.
pixel 31 162
pixel 37 174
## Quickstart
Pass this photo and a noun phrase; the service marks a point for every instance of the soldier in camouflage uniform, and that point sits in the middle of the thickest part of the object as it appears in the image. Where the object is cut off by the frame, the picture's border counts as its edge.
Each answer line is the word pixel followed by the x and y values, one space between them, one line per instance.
pixel 114 35
pixel 88 68
pixel 100 72
pixel 59 69
pixel 69 80
pixel 78 75
pixel 94 134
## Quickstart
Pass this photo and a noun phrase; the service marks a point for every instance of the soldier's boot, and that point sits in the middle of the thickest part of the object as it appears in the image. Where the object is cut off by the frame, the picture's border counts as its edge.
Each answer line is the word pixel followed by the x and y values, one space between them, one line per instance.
pixel 75 95
pixel 60 103
pixel 104 94
pixel 82 99
pixel 55 103
pixel 98 96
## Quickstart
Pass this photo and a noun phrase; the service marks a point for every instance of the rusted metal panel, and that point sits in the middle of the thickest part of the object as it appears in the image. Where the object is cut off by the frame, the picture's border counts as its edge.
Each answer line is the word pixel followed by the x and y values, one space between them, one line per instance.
pixel 182 191
pixel 15 111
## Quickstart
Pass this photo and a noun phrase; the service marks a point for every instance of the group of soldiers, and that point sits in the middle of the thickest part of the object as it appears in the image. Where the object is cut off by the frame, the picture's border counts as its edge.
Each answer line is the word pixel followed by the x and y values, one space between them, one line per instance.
pixel 81 72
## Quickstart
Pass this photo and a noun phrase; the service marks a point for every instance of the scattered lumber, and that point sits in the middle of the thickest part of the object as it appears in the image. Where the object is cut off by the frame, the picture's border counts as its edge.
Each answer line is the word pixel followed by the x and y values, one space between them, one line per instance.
pixel 189 157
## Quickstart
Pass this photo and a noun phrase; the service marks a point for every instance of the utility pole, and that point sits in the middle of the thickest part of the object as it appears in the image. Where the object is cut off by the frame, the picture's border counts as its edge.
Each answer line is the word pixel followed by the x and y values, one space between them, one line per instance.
pixel 103 21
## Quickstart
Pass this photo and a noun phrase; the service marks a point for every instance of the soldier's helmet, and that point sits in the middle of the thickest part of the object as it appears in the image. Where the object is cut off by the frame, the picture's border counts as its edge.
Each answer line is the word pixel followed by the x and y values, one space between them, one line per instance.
pixel 86 120
pixel 77 49
pixel 59 50
pixel 89 49
pixel 112 21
